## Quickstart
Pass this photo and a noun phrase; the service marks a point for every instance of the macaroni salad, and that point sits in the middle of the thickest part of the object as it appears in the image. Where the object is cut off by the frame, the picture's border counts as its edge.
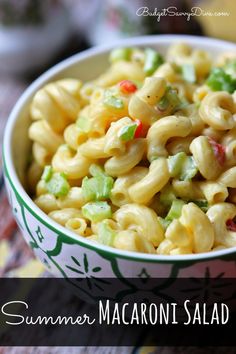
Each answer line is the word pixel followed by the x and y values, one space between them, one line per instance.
pixel 143 158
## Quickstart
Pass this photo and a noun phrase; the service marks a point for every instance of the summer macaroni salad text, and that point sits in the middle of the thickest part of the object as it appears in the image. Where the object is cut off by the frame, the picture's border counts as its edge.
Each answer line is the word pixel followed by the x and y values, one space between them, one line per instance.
pixel 143 158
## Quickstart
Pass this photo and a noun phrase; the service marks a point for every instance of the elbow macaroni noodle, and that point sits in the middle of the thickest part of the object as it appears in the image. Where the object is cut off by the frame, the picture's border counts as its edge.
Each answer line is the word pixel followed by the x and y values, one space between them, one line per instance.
pixel 58 103
pixel 157 177
pixel 150 142
pixel 164 129
pixel 218 110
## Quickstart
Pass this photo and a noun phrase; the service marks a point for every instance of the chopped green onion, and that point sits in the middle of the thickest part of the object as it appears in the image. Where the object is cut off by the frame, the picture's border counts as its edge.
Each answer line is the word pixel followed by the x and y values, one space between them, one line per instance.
pixel 164 223
pixel 84 124
pixel 167 196
pixel 120 54
pixel 153 60
pixel 220 80
pixel 188 72
pixel 202 204
pixel 175 210
pixel 189 169
pixel 97 188
pixel 111 100
pixel 58 184
pixel 127 132
pixel 47 173
pixel 106 235
pixel 97 211
pixel 175 163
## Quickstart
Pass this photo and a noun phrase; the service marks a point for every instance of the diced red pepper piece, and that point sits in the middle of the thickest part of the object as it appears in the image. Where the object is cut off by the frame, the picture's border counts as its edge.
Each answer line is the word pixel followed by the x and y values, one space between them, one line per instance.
pixel 139 129
pixel 127 86
pixel 219 151
pixel 231 225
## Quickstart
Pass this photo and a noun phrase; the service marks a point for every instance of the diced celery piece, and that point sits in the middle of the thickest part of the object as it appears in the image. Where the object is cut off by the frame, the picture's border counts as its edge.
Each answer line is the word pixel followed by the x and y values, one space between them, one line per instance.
pixel 106 235
pixel 153 60
pixel 97 188
pixel 84 124
pixel 230 68
pixel 220 80
pixel 111 100
pixel 164 223
pixel 189 169
pixel 96 170
pixel 182 166
pixel 183 104
pixel 97 211
pixel 189 73
pixel 105 186
pixel 175 163
pixel 127 132
pixel 120 54
pixel 175 210
pixel 89 188
pixel 58 184
pixel 170 101
pixel 47 173
pixel 163 104
pixel 167 196
pixel 174 100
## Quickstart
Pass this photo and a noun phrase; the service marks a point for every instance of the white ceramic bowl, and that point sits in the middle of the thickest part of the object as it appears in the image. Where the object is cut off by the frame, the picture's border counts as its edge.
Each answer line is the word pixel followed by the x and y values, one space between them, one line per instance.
pixel 62 252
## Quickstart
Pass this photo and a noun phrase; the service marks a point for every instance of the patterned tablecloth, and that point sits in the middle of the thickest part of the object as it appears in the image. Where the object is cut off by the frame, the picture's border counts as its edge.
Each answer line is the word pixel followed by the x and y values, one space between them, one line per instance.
pixel 16 257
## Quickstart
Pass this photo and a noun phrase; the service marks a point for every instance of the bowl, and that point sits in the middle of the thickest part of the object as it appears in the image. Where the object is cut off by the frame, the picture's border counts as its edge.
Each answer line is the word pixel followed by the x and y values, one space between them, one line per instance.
pixel 64 253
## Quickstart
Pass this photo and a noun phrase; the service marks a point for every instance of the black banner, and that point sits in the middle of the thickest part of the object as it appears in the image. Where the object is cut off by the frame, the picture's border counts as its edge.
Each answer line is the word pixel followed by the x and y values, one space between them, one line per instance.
pixel 127 312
